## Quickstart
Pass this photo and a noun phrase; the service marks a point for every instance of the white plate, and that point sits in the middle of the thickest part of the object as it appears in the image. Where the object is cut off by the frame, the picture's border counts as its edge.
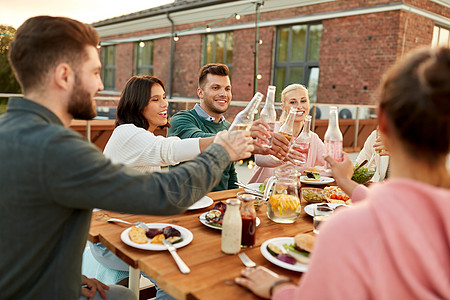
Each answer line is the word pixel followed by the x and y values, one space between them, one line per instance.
pixel 254 186
pixel 279 243
pixel 205 201
pixel 202 218
pixel 309 209
pixel 320 181
pixel 185 234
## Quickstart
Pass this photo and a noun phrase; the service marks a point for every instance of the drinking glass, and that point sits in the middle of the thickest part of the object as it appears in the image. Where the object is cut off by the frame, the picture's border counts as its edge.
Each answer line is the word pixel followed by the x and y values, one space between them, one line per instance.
pixel 320 216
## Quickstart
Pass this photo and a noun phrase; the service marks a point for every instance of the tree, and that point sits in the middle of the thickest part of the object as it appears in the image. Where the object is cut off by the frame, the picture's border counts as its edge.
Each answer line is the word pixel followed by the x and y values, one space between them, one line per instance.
pixel 8 82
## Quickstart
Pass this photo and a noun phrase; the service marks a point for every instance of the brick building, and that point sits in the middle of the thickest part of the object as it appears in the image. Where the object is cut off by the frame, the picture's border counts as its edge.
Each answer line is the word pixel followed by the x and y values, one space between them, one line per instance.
pixel 338 48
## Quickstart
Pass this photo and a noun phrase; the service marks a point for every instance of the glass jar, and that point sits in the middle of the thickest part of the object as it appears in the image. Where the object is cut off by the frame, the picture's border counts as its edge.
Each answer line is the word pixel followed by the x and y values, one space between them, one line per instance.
pixel 284 202
pixel 232 228
pixel 248 215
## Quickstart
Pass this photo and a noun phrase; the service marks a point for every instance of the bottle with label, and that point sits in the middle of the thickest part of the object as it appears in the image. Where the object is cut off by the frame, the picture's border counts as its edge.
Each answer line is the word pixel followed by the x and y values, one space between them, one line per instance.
pixel 301 143
pixel 248 215
pixel 269 115
pixel 244 119
pixel 232 228
pixel 333 137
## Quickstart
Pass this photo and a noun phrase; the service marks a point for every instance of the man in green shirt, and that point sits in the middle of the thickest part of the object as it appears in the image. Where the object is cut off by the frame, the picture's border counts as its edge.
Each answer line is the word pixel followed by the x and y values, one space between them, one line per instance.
pixel 206 119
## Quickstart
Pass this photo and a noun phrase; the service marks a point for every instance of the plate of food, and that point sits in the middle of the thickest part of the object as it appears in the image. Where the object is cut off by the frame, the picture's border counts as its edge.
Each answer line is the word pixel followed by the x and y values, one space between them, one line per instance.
pixel 205 201
pixel 290 253
pixel 256 187
pixel 309 209
pixel 320 181
pixel 214 217
pixel 337 195
pixel 151 239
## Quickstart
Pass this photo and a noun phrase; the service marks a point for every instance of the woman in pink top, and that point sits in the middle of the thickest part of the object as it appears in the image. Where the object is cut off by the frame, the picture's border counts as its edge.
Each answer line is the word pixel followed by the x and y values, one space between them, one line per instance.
pixel 294 95
pixel 394 243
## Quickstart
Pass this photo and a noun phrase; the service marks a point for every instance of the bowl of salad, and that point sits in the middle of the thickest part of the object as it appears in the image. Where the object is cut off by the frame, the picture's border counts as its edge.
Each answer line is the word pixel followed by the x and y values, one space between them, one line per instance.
pixel 363 174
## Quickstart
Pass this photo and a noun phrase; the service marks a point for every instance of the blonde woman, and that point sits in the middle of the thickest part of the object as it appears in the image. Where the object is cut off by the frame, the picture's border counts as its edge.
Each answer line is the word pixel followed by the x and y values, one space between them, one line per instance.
pixel 294 95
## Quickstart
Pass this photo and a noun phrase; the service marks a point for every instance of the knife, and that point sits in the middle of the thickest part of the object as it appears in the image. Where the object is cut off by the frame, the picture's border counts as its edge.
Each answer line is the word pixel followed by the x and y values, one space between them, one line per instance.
pixel 180 263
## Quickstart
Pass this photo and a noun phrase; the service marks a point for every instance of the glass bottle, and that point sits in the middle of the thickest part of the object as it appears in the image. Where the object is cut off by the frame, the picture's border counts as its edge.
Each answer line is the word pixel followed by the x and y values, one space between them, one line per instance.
pixel 269 115
pixel 287 129
pixel 244 119
pixel 333 137
pixel 232 228
pixel 302 142
pixel 248 215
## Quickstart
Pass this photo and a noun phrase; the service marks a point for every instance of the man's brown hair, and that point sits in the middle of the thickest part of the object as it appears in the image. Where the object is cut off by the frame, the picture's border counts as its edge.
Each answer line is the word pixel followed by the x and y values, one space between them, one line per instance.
pixel 215 69
pixel 43 42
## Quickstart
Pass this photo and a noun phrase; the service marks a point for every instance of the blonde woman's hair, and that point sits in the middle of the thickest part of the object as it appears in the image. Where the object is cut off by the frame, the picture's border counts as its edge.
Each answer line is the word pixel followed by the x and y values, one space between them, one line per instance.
pixel 289 88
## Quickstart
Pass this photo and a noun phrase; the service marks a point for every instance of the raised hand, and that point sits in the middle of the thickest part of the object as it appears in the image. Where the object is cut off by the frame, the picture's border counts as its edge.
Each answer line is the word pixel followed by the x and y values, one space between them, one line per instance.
pixel 239 144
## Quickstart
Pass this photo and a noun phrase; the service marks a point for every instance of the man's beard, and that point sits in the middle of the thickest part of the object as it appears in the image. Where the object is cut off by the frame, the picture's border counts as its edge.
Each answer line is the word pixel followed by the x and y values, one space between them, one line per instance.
pixel 80 104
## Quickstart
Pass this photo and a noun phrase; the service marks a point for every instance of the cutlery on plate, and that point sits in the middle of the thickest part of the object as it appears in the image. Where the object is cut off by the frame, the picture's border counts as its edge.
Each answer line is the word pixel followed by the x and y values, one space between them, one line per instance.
pixel 180 263
pixel 137 224
pixel 249 189
pixel 251 264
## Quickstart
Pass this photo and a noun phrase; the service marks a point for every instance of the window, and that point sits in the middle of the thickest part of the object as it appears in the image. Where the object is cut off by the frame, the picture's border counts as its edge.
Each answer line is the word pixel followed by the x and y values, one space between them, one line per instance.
pixel 297 57
pixel 143 58
pixel 218 48
pixel 440 37
pixel 109 67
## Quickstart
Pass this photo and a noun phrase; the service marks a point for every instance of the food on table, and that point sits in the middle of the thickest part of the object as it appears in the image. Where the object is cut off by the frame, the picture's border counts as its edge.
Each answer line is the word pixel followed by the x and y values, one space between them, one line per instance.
pixel 169 231
pixel 337 195
pixel 137 235
pixel 214 217
pixel 362 175
pixel 297 252
pixel 152 232
pixel 314 195
pixel 141 236
pixel 157 239
pixel 283 203
pixel 312 173
pixel 262 188
pixel 220 206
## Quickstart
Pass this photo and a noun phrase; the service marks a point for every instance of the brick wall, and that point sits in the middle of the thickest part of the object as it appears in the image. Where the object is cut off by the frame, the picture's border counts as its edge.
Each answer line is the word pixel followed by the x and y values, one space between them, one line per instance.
pixel 355 51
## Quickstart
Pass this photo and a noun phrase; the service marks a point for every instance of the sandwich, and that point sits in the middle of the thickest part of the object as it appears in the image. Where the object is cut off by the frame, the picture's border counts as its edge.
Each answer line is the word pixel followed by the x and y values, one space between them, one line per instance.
pixel 303 246
pixel 312 173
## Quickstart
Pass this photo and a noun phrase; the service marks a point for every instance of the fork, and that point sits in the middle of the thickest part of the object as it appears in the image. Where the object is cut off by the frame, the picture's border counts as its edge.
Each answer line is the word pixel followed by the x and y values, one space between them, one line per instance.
pixel 138 224
pixel 251 264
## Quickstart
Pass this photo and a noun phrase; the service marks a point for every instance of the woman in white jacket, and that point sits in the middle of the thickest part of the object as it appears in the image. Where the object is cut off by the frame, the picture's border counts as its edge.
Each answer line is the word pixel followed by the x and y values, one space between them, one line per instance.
pixel 142 109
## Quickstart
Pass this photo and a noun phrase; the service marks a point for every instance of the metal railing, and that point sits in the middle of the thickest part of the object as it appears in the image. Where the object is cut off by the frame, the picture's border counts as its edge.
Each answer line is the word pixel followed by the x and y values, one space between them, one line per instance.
pixel 189 101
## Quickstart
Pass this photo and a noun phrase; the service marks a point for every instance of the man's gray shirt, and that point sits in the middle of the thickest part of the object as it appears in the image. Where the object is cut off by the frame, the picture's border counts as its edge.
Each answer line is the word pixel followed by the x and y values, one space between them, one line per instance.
pixel 51 178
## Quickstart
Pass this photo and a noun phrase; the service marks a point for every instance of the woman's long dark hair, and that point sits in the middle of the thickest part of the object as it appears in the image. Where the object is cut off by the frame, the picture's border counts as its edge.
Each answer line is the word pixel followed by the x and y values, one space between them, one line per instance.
pixel 134 99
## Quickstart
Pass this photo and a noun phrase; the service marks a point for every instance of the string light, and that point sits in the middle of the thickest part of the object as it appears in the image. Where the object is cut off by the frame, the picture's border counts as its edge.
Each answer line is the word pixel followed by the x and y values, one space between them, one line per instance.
pixel 176 38
pixel 260 42
pixel 142 44
pixel 259 76
pixel 237 16
pixel 208 29
pixel 99 46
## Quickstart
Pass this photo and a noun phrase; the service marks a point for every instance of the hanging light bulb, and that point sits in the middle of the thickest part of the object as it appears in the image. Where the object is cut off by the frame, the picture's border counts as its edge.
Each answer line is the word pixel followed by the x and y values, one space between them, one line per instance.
pixel 259 76
pixel 176 38
pixel 237 16
pixel 260 42
pixel 208 29
pixel 99 46
pixel 141 44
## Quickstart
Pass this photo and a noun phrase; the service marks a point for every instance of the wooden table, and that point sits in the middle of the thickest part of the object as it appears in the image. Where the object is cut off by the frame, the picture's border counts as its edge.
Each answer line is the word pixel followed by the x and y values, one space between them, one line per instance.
pixel 212 272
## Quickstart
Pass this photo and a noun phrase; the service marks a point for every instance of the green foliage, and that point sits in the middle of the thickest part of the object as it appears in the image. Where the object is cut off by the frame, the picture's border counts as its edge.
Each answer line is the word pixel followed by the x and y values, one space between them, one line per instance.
pixel 8 82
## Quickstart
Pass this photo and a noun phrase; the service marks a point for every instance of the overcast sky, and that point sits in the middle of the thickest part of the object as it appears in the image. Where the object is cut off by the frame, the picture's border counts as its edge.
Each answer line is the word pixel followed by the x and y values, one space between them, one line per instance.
pixel 15 12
